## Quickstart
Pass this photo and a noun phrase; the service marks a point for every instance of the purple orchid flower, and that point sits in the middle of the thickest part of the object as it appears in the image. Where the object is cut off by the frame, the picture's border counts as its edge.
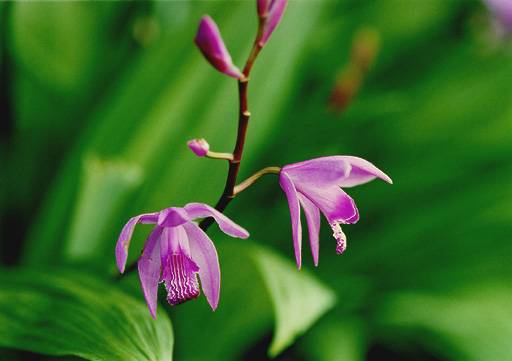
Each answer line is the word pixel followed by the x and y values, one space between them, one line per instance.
pixel 209 41
pixel 175 251
pixel 271 11
pixel 315 185
pixel 502 14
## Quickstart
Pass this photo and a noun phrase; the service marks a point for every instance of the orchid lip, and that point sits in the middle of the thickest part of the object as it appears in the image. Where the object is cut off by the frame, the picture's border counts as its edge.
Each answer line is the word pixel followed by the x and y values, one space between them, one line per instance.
pixel 180 278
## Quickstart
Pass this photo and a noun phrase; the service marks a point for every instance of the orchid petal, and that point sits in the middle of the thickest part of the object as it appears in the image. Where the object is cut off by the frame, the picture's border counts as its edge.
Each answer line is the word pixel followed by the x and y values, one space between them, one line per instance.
pixel 319 172
pixel 149 269
pixel 201 210
pixel 125 237
pixel 173 217
pixel 313 219
pixel 362 172
pixel 204 254
pixel 209 41
pixel 293 202
pixel 335 204
pixel 174 240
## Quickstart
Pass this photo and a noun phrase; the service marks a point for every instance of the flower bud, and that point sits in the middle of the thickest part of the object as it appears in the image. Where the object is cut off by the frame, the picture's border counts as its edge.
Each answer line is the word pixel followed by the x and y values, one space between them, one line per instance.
pixel 262 7
pixel 209 41
pixel 199 146
pixel 274 10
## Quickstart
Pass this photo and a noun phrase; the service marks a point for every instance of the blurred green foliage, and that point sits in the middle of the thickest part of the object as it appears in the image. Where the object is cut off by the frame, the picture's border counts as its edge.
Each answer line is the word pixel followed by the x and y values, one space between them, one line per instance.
pixel 98 100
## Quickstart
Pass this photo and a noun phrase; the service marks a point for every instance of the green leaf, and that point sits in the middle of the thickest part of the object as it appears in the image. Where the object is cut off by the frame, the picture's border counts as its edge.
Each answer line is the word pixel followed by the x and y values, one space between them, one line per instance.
pixel 470 324
pixel 67 313
pixel 298 298
pixel 257 285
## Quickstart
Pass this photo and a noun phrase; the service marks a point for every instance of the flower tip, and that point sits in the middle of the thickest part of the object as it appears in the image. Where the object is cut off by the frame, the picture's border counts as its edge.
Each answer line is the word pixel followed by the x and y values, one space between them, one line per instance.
pixel 386 178
pixel 199 146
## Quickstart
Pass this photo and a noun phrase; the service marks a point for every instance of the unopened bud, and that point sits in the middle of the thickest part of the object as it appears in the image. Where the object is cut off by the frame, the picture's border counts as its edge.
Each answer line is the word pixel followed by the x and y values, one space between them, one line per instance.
pixel 199 146
pixel 262 7
pixel 273 10
pixel 209 41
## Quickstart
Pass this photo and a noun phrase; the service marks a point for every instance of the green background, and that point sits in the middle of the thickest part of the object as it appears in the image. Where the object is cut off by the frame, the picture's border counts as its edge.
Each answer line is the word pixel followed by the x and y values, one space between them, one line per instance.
pixel 98 101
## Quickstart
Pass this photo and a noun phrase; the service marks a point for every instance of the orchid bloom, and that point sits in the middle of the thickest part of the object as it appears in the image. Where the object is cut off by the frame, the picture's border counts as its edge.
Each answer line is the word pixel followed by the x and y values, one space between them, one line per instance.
pixel 271 12
pixel 315 185
pixel 175 251
pixel 209 41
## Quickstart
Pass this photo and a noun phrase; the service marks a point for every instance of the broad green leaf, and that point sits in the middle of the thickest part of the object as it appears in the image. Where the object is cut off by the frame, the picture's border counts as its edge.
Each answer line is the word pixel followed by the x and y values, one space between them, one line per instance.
pixel 67 313
pixel 243 317
pixel 469 324
pixel 258 285
pixel 105 186
pixel 298 298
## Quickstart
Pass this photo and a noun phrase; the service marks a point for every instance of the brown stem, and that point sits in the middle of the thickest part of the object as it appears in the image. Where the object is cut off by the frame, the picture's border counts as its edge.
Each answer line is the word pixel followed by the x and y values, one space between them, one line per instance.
pixel 243 121
pixel 234 164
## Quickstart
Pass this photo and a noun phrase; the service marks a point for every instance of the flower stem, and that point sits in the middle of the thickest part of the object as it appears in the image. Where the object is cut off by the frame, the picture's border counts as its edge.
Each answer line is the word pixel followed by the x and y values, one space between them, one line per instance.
pixel 216 155
pixel 243 121
pixel 230 188
pixel 252 179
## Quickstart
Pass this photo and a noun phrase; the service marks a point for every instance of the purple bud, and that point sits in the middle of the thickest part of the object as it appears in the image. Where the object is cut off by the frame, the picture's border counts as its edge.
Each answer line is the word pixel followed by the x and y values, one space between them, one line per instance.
pixel 209 41
pixel 275 10
pixel 263 7
pixel 199 146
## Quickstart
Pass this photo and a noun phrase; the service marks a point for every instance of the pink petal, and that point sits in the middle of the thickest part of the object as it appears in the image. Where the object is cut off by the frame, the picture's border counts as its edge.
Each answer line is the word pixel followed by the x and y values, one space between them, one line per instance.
pixel 125 237
pixel 204 254
pixel 174 240
pixel 313 219
pixel 362 172
pixel 172 217
pixel 210 42
pixel 149 269
pixel 319 172
pixel 201 210
pixel 293 202
pixel 335 204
